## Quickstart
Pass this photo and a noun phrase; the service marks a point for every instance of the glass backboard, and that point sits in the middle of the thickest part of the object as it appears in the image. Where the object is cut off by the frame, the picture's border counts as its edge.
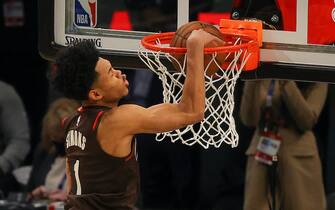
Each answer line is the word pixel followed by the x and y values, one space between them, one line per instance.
pixel 298 35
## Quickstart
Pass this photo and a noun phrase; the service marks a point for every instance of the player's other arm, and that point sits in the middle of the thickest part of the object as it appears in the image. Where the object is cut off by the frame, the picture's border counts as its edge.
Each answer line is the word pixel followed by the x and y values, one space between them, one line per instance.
pixel 68 177
pixel 190 109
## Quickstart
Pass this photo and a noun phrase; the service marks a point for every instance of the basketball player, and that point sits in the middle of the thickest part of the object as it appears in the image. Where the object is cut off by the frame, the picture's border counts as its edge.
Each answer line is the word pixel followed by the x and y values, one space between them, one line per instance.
pixel 101 166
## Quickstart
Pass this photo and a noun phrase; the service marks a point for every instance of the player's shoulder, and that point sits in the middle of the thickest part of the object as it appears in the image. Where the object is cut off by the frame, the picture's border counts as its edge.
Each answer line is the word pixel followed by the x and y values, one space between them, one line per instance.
pixel 127 108
pixel 123 111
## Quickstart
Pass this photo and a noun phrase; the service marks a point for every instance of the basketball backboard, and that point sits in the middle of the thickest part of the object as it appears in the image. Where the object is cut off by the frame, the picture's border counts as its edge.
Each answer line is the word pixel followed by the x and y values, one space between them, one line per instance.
pixel 301 47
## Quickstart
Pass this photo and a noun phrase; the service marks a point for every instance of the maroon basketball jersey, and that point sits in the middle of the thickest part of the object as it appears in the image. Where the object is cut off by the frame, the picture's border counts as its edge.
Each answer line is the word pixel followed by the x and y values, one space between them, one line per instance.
pixel 98 180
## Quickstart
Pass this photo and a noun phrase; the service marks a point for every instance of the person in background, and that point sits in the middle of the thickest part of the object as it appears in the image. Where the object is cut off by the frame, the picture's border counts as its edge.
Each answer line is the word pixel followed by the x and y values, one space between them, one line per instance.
pixel 47 178
pixel 284 168
pixel 14 136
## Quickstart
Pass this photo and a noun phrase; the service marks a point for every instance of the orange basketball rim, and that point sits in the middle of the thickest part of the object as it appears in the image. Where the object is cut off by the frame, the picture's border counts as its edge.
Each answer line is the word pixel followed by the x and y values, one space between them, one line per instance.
pixel 248 32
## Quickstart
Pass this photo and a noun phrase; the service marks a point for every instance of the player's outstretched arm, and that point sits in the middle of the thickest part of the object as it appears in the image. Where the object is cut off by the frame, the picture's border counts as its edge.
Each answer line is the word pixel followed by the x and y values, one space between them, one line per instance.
pixel 166 116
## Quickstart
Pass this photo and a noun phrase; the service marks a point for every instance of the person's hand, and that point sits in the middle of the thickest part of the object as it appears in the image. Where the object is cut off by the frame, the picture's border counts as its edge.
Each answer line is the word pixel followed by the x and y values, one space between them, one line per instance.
pixel 282 84
pixel 42 192
pixel 38 193
pixel 57 195
pixel 203 38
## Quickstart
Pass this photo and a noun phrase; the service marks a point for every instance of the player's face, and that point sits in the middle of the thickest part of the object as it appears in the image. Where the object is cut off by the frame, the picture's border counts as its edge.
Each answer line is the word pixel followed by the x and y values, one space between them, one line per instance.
pixel 111 82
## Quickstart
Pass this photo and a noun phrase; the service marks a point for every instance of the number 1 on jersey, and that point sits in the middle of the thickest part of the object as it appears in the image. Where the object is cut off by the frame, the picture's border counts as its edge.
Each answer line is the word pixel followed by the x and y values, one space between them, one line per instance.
pixel 76 175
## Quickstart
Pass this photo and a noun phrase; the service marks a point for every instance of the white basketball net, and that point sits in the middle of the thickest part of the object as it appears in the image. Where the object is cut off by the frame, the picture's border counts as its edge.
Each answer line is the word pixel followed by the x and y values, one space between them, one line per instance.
pixel 218 125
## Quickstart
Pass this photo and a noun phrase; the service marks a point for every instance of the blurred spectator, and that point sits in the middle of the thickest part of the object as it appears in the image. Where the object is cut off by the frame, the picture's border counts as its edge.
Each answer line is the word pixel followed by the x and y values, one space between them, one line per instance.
pixel 47 179
pixel 14 136
pixel 284 112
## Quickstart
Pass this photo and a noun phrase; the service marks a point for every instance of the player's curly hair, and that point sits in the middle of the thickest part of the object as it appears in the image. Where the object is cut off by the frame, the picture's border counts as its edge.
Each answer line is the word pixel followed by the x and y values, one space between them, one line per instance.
pixel 75 70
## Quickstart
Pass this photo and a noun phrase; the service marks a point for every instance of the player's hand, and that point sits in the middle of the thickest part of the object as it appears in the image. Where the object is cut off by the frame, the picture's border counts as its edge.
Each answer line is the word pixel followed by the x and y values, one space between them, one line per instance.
pixel 204 38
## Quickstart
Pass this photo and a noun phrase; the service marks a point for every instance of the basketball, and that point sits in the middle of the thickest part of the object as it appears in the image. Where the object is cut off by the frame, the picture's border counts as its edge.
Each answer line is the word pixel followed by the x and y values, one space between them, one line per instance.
pixel 179 40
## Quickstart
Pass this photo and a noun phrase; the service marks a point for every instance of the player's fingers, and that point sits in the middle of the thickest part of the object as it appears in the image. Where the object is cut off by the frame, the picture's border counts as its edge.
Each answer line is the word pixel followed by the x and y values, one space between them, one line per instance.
pixel 210 38
pixel 217 42
pixel 196 32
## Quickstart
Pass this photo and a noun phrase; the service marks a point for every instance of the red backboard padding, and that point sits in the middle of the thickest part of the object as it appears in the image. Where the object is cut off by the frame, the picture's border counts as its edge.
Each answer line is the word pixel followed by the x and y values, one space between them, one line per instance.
pixel 288 10
pixel 321 22
pixel 321 19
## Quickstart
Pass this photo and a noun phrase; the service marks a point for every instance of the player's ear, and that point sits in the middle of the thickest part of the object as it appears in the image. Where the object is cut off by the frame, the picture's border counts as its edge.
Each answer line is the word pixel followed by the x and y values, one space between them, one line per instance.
pixel 94 95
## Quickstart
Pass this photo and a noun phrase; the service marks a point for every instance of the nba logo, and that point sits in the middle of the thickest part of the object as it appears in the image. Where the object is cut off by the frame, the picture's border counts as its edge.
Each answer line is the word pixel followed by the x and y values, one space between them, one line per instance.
pixel 85 13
